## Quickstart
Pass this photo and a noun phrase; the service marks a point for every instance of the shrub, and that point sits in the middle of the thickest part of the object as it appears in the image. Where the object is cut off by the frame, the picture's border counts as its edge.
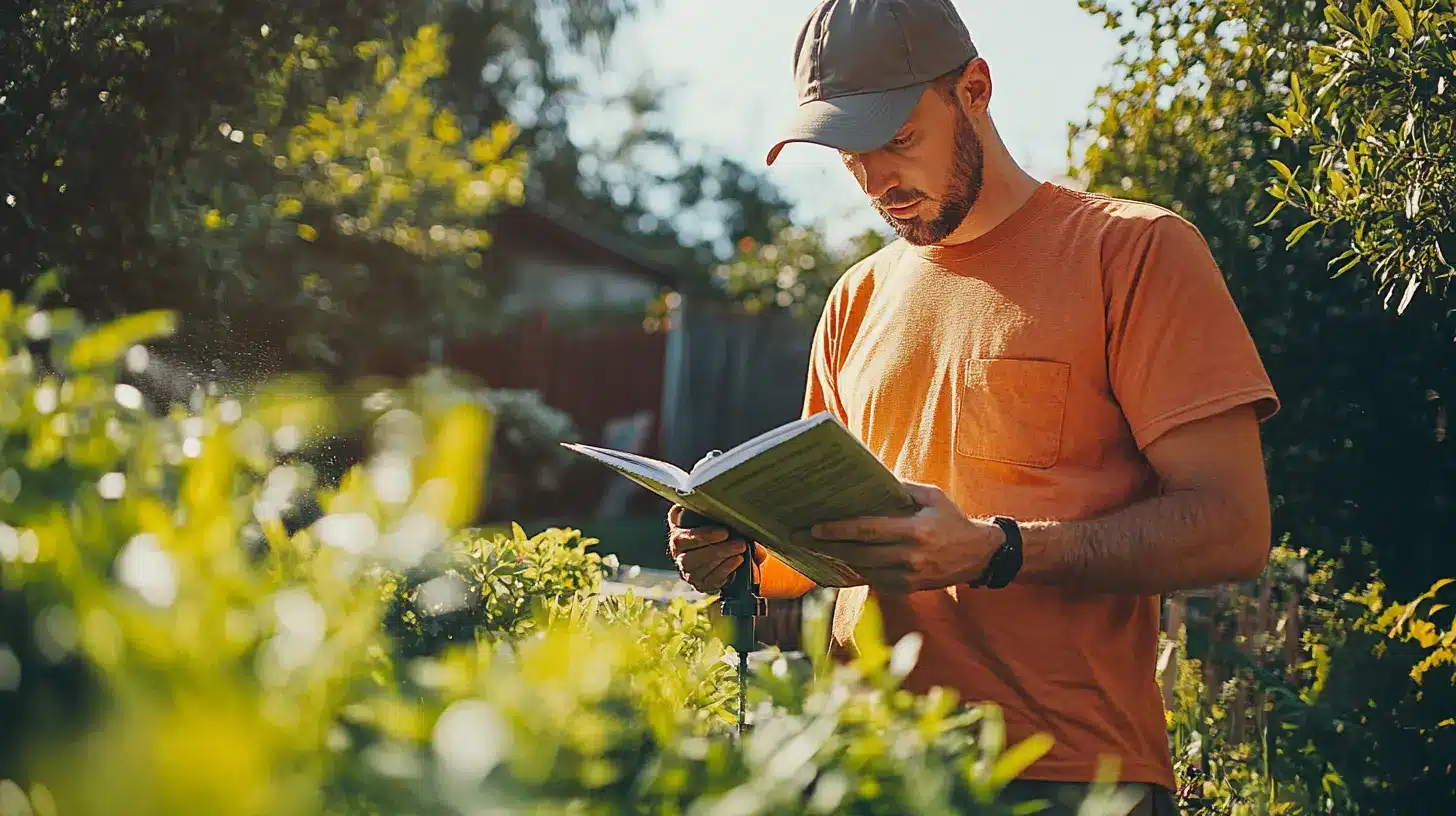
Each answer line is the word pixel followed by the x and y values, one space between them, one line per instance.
pixel 377 660
pixel 490 588
pixel 1343 730
pixel 528 459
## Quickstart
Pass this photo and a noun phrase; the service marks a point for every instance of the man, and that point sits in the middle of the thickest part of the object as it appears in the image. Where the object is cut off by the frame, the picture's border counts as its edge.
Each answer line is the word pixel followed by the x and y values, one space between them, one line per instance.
pixel 1062 379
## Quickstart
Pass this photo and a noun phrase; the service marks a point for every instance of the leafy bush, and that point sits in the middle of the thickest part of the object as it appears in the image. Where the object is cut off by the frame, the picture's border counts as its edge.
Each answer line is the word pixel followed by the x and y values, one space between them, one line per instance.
pixel 794 271
pixel 1343 731
pixel 1431 625
pixel 376 660
pixel 1379 112
pixel 528 458
pixel 489 588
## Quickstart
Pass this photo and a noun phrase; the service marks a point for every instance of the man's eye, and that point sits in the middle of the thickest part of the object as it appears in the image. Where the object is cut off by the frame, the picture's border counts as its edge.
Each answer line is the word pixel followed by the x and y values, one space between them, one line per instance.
pixel 901 140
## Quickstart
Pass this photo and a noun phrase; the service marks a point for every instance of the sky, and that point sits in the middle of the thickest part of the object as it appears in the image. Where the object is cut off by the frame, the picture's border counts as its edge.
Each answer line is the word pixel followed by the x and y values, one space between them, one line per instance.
pixel 728 66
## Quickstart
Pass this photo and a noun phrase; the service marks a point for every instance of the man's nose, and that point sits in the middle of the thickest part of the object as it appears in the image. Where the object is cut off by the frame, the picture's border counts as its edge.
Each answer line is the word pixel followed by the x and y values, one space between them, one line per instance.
pixel 873 173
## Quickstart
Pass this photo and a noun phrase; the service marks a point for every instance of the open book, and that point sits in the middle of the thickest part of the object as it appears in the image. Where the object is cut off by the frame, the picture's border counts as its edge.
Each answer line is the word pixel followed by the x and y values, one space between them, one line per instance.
pixel 776 487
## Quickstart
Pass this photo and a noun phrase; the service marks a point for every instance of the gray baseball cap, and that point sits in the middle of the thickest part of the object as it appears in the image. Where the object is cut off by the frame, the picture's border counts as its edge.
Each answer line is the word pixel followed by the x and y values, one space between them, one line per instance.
pixel 860 67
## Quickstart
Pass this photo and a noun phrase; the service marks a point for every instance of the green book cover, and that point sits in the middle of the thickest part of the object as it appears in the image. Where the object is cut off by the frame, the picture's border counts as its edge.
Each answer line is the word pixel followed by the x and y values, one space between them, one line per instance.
pixel 776 487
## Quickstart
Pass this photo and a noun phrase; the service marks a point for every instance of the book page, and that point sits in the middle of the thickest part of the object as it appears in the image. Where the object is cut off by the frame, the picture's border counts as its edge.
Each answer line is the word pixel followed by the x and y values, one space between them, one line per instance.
pixel 710 468
pixel 662 473
pixel 823 474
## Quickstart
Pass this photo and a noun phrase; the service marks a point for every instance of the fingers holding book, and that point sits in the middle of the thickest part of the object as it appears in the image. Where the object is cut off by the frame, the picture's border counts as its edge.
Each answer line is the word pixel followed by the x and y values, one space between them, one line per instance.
pixel 703 552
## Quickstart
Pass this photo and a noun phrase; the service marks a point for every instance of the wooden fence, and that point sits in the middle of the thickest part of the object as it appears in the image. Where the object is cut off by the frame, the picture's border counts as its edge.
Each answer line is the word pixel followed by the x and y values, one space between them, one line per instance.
pixel 597 374
pixel 1228 627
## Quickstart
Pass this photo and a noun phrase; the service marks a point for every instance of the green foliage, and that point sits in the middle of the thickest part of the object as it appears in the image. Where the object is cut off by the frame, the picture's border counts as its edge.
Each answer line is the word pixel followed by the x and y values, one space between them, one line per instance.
pixel 1429 623
pixel 1185 123
pixel 1378 112
pixel 793 271
pixel 222 672
pixel 527 457
pixel 1345 731
pixel 382 171
pixel 164 154
pixel 105 104
pixel 489 588
pixel 378 660
pixel 383 175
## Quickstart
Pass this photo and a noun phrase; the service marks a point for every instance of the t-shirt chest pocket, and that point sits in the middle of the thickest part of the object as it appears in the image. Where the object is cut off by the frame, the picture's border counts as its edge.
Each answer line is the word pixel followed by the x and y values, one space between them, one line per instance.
pixel 1011 410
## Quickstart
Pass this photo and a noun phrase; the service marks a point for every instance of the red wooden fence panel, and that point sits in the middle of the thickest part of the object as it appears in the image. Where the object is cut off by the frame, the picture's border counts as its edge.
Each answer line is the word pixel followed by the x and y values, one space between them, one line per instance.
pixel 594 374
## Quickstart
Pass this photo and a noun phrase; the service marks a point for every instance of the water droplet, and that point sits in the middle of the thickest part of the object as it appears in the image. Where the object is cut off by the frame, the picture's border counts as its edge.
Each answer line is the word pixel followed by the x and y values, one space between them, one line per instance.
pixel 192 447
pixel 55 633
pixel 29 547
pixel 288 438
pixel 38 326
pixel 46 399
pixel 128 396
pixel 416 536
pixel 301 627
pixel 137 359
pixel 13 801
pixel 112 485
pixel 470 739
pixel 443 595
pixel 391 476
pixel 351 532
pixel 143 566
pixel 9 543
pixel 230 411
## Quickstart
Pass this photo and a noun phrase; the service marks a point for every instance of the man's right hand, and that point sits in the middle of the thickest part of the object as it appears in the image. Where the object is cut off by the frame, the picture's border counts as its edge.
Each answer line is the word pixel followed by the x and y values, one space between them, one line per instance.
pixel 705 556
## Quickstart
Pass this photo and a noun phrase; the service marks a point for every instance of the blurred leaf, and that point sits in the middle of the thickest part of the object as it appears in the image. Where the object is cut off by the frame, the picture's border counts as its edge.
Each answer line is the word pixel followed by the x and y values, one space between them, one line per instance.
pixel 107 344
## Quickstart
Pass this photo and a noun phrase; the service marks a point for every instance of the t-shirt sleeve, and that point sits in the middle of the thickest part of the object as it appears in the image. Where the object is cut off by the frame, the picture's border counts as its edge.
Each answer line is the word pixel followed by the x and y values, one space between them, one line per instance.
pixel 821 391
pixel 1178 348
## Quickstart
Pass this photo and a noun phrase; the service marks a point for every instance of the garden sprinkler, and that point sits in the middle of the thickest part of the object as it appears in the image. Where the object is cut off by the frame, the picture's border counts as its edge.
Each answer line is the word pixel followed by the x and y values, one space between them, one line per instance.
pixel 740 601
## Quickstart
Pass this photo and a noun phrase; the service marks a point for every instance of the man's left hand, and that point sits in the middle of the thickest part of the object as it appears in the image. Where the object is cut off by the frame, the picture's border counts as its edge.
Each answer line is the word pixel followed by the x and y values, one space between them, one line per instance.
pixel 936 547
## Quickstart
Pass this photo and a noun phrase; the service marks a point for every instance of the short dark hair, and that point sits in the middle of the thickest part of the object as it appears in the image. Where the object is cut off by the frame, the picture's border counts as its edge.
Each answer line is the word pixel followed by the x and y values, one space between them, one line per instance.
pixel 945 83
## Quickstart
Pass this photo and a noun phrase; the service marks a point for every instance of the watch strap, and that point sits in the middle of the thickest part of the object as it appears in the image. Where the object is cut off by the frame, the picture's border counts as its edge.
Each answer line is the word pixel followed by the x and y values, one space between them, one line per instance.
pixel 1005 563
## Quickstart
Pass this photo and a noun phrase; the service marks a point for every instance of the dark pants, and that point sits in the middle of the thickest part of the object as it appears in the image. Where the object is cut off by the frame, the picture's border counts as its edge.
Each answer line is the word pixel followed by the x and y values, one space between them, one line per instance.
pixel 1064 798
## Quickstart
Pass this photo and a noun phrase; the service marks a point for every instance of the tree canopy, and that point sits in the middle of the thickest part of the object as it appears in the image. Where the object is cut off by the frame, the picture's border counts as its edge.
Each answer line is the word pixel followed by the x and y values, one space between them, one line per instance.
pixel 1378 111
pixel 296 185
pixel 1186 122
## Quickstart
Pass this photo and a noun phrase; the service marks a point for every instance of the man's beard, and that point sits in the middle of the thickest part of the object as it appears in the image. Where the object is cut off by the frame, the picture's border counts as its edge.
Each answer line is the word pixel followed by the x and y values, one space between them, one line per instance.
pixel 962 191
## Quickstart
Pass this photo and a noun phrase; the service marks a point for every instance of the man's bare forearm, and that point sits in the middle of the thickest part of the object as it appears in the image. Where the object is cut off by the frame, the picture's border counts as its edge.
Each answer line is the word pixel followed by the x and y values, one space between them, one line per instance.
pixel 1180 540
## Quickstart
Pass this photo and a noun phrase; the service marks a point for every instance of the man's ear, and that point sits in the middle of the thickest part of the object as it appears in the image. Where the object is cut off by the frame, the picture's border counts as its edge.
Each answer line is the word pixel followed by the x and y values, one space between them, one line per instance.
pixel 973 90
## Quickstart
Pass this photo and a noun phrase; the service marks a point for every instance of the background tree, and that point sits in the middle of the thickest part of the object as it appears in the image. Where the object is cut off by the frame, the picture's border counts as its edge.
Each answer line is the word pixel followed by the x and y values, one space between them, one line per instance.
pixel 1378 111
pixel 1358 465
pixel 1381 125
pixel 128 123
pixel 1360 469
pixel 794 270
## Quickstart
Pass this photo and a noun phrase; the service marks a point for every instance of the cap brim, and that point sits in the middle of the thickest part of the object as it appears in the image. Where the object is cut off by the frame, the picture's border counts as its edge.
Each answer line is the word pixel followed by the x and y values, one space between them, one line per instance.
pixel 854 123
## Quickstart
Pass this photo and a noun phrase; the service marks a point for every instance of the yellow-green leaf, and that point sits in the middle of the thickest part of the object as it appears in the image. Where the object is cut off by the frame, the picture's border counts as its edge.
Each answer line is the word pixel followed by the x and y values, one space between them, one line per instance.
pixel 1404 26
pixel 106 344
pixel 1019 757
pixel 1299 232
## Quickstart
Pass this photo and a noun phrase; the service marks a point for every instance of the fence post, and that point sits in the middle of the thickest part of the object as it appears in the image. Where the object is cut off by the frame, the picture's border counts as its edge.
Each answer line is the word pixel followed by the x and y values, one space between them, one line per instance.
pixel 1177 615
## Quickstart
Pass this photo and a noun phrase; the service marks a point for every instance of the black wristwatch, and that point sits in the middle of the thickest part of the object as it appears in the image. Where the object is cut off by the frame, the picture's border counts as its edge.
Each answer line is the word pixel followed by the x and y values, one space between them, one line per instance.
pixel 1005 563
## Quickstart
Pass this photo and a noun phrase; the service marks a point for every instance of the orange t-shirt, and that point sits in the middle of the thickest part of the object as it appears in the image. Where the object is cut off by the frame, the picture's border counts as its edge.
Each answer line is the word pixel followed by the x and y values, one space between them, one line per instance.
pixel 1023 373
